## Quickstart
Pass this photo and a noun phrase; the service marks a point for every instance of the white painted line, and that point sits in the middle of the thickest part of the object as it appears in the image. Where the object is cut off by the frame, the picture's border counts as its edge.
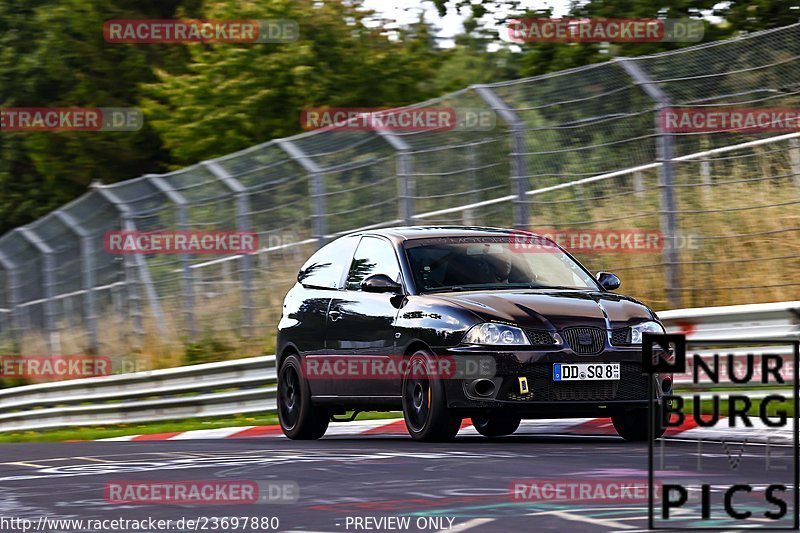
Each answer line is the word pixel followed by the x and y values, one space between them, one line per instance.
pixel 124 438
pixel 216 433
pixel 549 426
pixel 94 459
pixel 587 520
pixel 24 463
pixel 759 432
pixel 469 524
pixel 468 431
pixel 357 427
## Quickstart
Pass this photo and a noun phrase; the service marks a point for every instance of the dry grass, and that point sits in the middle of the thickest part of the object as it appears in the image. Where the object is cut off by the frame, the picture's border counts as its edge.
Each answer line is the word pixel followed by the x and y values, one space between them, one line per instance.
pixel 745 225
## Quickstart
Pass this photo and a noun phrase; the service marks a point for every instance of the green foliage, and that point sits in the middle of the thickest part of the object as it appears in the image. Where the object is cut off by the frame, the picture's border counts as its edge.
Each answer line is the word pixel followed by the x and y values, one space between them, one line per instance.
pixel 467 64
pixel 540 58
pixel 207 349
pixel 9 383
pixel 755 15
pixel 53 54
pixel 202 101
pixel 233 96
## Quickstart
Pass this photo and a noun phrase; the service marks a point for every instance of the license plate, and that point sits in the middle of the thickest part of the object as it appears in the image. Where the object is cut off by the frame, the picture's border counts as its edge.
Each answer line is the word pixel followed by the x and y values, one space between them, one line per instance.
pixel 586 372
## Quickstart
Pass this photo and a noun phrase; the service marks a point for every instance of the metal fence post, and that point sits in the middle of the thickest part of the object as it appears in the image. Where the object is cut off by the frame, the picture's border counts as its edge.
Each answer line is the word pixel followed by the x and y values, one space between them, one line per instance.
pixel 119 308
pixel 794 157
pixel 186 263
pixel 665 153
pixel 135 262
pixel 242 224
pixel 519 172
pixel 87 276
pixel 131 294
pixel 705 172
pixel 468 216
pixel 12 284
pixel 48 286
pixel 319 226
pixel 405 183
pixel 638 183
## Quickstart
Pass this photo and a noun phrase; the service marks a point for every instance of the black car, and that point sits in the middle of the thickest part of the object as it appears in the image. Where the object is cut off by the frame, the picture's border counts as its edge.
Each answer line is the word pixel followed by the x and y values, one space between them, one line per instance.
pixel 399 318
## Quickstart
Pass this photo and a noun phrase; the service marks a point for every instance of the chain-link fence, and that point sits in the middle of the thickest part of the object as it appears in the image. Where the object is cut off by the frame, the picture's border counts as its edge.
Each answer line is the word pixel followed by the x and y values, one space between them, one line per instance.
pixel 581 149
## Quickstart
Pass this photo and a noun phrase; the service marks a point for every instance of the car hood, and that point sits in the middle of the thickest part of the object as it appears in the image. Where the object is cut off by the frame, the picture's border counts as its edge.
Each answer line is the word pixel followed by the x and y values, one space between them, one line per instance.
pixel 552 309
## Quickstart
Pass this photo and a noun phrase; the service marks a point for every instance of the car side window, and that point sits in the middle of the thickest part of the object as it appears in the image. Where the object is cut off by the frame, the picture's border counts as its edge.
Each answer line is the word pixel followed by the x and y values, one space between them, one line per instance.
pixel 324 269
pixel 373 256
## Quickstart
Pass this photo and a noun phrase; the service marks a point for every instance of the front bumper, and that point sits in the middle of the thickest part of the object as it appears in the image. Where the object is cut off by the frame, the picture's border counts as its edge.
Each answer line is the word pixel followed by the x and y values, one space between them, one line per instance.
pixel 545 398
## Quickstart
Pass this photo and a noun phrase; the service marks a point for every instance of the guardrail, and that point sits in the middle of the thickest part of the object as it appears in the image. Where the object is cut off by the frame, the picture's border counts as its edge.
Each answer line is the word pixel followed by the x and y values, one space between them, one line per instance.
pixel 210 389
pixel 752 322
pixel 780 320
pixel 249 385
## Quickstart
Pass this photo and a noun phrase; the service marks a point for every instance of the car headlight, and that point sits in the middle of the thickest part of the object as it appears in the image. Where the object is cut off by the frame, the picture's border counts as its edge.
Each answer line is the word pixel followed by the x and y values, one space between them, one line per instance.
pixel 644 327
pixel 493 334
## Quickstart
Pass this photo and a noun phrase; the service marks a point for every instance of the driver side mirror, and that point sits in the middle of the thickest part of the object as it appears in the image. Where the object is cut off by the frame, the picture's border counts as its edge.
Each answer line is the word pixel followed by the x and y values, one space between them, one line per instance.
pixel 608 281
pixel 381 283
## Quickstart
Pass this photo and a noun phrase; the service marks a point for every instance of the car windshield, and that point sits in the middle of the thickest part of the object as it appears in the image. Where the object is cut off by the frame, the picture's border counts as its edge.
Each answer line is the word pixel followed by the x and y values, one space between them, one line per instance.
pixel 474 263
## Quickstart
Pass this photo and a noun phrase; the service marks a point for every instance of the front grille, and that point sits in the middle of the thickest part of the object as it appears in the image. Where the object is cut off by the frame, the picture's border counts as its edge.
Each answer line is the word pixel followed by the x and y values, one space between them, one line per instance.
pixel 632 385
pixel 540 338
pixel 584 340
pixel 621 337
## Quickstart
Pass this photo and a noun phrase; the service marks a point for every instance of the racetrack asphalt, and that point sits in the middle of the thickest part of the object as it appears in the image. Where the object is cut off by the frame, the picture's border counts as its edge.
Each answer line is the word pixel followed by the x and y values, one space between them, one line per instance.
pixel 458 486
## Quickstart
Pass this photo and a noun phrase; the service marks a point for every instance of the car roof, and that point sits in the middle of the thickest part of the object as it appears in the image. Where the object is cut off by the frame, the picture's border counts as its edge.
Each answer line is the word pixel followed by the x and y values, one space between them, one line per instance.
pixel 403 233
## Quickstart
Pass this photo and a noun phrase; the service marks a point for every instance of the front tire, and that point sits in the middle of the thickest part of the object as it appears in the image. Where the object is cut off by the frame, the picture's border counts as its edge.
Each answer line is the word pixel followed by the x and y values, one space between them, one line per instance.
pixel 495 426
pixel 632 425
pixel 299 418
pixel 424 405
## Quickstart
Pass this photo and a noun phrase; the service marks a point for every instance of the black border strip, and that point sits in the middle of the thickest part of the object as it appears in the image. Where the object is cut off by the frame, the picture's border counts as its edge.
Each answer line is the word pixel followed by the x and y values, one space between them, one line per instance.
pixel 796 436
pixel 650 440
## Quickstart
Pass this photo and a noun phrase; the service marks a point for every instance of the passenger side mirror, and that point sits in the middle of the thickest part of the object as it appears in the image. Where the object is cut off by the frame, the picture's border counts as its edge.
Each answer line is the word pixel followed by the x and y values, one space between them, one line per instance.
pixel 381 283
pixel 608 281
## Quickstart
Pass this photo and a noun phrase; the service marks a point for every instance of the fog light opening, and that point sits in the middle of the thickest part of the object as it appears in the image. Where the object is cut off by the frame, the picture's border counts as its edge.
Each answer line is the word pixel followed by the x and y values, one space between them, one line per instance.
pixel 666 385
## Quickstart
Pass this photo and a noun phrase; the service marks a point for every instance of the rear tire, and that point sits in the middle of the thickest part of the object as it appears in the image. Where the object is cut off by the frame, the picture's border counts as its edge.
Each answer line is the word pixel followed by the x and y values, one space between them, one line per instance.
pixel 299 418
pixel 424 405
pixel 495 426
pixel 632 425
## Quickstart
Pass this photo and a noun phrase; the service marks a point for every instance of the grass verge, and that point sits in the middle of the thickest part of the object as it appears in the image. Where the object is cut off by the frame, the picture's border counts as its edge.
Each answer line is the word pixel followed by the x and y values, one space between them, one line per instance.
pixel 149 428
pixel 707 406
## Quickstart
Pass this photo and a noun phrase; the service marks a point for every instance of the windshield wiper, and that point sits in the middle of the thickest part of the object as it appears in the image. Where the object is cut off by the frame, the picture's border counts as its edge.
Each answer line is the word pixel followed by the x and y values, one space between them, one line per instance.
pixel 447 289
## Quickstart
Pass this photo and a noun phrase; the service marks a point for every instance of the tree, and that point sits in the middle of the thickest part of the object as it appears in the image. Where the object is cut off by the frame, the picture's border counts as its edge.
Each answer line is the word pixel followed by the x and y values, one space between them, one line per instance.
pixel 236 95
pixel 54 55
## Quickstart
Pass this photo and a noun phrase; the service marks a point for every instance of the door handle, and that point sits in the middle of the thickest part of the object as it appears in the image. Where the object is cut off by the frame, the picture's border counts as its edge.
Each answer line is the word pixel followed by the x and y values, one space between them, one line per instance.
pixel 335 315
